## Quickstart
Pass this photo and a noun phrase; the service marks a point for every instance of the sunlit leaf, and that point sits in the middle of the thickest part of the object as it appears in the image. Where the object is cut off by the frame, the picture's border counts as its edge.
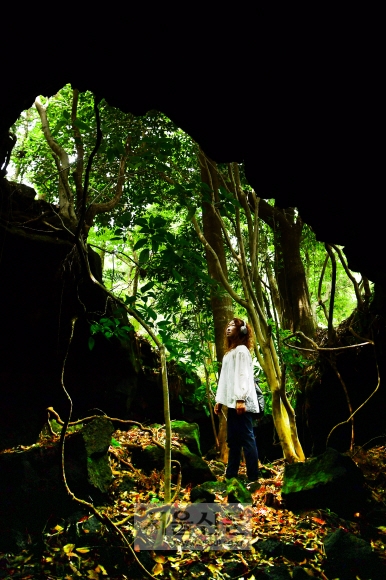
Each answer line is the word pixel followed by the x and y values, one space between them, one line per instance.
pixel 158 569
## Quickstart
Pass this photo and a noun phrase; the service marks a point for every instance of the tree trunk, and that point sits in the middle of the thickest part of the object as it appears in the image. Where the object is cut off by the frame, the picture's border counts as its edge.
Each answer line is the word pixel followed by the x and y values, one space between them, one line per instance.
pixel 295 310
pixel 292 282
pixel 221 302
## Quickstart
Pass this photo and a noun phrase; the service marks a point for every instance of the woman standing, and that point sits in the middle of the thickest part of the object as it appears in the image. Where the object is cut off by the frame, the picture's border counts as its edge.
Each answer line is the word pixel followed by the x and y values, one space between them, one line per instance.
pixel 236 390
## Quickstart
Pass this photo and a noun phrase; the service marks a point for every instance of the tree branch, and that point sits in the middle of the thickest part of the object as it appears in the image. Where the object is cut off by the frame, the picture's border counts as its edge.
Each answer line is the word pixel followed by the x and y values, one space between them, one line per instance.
pixel 66 199
pixel 320 301
pixel 224 281
pixel 349 274
pixel 98 141
pixel 331 331
pixel 78 173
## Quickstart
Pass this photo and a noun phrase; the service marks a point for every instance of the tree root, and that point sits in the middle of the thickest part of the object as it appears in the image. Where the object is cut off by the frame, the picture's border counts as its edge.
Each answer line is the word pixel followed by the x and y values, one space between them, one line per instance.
pixel 116 419
pixel 360 407
pixel 103 518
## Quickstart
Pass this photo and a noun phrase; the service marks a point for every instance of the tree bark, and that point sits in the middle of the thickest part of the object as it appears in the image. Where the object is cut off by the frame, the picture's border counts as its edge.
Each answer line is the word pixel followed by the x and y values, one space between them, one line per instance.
pixel 62 162
pixel 221 302
pixel 295 310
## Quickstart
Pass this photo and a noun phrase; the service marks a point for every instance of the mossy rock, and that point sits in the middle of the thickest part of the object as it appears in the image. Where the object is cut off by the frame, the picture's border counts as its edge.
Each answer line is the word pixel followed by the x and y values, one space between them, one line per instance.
pixel 128 483
pixel 349 556
pixel 330 480
pixel 206 492
pixel 194 469
pixel 230 488
pixel 237 493
pixel 97 438
pixel 189 435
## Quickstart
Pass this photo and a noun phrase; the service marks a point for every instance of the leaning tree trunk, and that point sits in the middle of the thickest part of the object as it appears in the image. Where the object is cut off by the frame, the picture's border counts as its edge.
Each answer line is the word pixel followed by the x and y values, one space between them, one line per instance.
pixel 221 302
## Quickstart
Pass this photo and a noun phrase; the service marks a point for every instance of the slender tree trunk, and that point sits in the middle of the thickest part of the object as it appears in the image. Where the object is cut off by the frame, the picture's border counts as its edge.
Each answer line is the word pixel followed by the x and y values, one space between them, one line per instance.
pixel 221 302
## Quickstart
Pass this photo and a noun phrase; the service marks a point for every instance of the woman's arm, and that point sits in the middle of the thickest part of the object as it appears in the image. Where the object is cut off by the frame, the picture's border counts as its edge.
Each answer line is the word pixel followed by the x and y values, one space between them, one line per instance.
pixel 241 374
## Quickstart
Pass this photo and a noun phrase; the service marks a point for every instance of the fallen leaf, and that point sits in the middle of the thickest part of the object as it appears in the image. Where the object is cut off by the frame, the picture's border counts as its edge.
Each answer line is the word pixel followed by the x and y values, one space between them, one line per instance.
pixel 83 550
pixel 68 548
pixel 158 569
pixel 319 521
pixel 102 569
pixel 160 559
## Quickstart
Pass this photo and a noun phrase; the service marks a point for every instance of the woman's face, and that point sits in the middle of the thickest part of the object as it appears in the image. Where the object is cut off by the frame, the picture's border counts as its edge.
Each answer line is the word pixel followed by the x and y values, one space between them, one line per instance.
pixel 231 329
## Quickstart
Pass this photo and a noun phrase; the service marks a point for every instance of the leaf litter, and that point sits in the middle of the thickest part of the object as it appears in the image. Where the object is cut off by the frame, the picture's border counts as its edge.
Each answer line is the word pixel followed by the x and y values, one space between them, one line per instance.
pixel 87 549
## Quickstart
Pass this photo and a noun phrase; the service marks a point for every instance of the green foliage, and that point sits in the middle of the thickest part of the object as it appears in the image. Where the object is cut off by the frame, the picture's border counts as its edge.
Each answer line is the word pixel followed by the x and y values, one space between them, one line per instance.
pixel 114 442
pixel 108 327
pixel 152 257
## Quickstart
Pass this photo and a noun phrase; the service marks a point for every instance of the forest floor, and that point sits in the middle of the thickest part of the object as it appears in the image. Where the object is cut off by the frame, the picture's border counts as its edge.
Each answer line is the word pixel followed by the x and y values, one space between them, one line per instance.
pixel 83 547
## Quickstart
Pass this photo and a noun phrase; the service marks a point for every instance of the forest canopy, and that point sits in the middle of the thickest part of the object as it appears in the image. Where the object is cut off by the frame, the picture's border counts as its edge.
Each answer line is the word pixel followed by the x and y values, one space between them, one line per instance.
pixel 144 195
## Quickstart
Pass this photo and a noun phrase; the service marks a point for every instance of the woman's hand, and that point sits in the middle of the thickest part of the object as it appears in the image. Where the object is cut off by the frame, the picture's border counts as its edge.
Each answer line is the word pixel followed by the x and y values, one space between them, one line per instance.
pixel 240 407
pixel 217 408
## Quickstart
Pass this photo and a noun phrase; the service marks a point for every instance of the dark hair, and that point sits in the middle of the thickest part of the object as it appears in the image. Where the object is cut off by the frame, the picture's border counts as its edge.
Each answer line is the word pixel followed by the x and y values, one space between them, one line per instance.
pixel 231 342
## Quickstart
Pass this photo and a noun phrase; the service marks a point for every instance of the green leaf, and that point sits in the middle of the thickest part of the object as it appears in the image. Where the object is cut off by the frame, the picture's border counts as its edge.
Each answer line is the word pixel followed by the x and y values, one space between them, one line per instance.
pixel 130 299
pixel 147 287
pixel 158 222
pixel 144 256
pixel 151 313
pixel 111 155
pixel 82 125
pixel 176 275
pixel 140 244
pixel 115 443
pixel 91 342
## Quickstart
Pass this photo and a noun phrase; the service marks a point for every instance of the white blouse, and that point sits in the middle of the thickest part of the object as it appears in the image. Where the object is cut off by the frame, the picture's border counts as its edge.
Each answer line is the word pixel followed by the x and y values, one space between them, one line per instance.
pixel 236 380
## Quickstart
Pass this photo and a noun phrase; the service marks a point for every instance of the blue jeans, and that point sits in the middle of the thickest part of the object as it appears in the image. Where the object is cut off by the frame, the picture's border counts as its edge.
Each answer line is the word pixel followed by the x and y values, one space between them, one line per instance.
pixel 240 436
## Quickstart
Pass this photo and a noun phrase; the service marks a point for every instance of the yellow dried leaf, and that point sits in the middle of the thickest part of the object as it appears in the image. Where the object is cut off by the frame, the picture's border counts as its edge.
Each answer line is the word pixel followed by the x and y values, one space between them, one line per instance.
pixel 73 568
pixel 82 550
pixel 160 559
pixel 58 528
pixel 92 574
pixel 101 569
pixel 48 559
pixel 158 569
pixel 213 568
pixel 68 548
